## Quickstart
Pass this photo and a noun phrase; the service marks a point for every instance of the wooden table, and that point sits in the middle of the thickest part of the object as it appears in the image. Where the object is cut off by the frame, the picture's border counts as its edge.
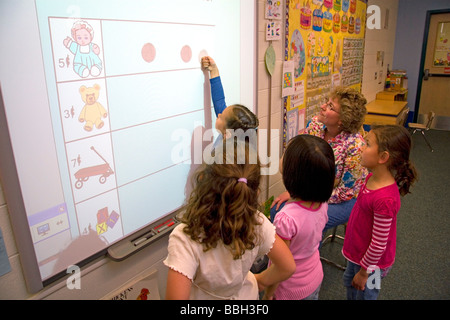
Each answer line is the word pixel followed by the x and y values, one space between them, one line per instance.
pixel 384 111
pixel 395 95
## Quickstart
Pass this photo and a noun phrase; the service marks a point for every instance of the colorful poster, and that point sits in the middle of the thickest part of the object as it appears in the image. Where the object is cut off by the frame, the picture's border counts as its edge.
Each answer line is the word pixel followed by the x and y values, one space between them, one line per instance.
pixel 325 41
pixel 292 117
pixel 273 30
pixel 288 78
pixel 273 9
pixel 301 121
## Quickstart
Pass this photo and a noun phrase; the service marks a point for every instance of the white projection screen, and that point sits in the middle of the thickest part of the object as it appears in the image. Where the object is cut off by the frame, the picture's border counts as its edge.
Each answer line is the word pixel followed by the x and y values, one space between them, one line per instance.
pixel 100 101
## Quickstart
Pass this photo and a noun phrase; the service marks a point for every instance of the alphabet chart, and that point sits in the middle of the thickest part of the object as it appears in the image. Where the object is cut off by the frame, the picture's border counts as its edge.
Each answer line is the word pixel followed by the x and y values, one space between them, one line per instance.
pixel 119 88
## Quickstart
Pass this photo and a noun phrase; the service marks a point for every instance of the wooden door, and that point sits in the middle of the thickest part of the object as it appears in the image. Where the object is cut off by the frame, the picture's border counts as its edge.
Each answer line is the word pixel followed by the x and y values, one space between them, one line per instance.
pixel 434 86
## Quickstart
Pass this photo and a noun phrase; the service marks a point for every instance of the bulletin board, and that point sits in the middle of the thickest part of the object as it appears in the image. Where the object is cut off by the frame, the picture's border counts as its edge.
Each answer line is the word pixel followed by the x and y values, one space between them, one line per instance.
pixel 324 48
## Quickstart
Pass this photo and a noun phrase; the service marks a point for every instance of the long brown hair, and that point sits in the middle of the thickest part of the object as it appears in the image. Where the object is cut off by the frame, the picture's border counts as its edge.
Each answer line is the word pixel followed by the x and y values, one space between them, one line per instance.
pixel 222 208
pixel 396 140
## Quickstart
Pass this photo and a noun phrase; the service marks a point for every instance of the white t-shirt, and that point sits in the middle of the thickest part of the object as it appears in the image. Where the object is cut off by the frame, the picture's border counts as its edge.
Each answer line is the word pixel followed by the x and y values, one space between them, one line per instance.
pixel 214 273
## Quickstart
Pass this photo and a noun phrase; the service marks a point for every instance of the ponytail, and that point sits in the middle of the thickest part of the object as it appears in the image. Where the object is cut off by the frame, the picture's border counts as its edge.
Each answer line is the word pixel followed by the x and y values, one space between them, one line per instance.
pixel 405 176
pixel 223 205
pixel 238 219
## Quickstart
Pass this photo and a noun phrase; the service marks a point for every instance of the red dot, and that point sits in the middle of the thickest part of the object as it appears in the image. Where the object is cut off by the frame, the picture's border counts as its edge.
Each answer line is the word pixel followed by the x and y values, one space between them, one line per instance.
pixel 186 53
pixel 148 52
pixel 202 53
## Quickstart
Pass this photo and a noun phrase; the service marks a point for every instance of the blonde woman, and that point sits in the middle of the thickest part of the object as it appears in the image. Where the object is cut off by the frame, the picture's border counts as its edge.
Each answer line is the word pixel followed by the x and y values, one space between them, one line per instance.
pixel 339 123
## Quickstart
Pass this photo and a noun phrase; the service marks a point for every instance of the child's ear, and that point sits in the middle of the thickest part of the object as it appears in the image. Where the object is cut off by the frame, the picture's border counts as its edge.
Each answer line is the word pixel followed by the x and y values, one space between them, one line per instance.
pixel 384 157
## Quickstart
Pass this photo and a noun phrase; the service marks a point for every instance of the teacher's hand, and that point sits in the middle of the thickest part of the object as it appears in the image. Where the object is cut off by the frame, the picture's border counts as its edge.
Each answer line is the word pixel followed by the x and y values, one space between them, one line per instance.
pixel 285 196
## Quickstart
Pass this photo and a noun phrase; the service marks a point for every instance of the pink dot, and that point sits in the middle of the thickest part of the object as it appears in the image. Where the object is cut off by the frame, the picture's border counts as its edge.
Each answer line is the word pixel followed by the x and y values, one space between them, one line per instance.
pixel 186 53
pixel 148 52
pixel 202 53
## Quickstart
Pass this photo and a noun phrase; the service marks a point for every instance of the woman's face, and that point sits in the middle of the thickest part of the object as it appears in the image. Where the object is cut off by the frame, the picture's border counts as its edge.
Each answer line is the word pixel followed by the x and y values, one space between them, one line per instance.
pixel 329 113
pixel 221 121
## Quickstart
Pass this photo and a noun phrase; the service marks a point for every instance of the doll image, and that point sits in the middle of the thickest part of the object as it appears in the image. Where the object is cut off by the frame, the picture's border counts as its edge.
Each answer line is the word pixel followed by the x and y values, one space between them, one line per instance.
pixel 86 60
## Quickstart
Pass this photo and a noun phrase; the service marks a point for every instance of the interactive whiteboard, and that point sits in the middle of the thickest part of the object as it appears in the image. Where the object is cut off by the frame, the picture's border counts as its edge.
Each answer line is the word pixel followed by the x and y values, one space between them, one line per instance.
pixel 101 100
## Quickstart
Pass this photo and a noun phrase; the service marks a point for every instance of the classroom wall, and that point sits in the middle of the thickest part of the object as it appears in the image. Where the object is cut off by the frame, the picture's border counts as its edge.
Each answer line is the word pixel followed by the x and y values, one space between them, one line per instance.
pixel 379 41
pixel 409 36
pixel 270 103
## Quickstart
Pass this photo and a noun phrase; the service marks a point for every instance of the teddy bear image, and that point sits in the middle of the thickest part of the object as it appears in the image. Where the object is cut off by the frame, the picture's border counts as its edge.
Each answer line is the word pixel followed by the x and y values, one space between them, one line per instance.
pixel 92 112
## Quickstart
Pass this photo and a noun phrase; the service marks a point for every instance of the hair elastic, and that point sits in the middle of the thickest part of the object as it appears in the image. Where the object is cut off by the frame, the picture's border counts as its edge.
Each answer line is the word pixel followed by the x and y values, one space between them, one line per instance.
pixel 242 180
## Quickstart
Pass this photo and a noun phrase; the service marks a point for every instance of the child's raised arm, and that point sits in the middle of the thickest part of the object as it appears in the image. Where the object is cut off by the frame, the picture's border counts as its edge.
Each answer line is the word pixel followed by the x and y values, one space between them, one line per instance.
pixel 217 94
pixel 209 64
pixel 282 267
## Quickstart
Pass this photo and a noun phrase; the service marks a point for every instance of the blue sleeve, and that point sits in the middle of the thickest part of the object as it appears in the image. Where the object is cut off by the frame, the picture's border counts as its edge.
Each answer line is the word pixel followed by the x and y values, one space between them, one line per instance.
pixel 217 95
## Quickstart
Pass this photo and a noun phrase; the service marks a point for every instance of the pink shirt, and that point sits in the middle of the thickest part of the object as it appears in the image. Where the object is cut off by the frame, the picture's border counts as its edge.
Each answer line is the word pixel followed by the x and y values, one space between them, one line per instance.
pixel 372 228
pixel 303 228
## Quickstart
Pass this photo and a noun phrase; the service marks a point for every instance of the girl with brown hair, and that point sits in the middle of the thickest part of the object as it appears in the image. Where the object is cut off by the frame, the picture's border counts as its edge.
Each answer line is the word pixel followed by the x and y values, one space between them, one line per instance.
pixel 370 239
pixel 222 233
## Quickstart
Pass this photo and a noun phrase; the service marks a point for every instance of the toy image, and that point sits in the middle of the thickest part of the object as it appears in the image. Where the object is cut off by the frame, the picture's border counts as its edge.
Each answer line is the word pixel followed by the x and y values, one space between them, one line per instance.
pixel 105 220
pixel 103 170
pixel 86 60
pixel 92 111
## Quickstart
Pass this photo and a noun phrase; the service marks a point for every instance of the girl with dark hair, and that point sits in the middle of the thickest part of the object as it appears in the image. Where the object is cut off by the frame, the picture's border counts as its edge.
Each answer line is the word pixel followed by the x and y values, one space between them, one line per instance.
pixel 370 238
pixel 308 171
pixel 222 233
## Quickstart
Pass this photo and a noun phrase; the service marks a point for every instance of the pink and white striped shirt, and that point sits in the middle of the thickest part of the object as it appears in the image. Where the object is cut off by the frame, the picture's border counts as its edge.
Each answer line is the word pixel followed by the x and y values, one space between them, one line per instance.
pixel 371 233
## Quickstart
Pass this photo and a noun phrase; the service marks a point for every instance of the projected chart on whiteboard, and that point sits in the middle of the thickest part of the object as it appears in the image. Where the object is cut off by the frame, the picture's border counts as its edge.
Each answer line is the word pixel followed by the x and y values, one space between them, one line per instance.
pixel 120 83
pixel 114 101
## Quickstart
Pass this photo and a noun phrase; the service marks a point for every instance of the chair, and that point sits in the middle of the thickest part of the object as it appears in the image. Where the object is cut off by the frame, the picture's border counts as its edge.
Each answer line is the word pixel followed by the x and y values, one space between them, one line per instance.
pixel 403 117
pixel 331 238
pixel 422 128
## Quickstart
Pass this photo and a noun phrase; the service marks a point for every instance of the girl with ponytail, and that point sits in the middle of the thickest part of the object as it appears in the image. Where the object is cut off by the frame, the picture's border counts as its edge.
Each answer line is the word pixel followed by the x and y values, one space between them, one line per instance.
pixel 370 238
pixel 222 233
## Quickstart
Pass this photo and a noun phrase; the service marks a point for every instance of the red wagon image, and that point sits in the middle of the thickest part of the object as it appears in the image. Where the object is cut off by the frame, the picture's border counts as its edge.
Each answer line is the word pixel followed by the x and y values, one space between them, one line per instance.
pixel 102 170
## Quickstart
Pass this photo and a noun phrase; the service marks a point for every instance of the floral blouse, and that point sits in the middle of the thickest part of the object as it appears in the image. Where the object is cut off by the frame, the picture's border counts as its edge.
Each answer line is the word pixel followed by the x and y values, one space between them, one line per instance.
pixel 347 147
